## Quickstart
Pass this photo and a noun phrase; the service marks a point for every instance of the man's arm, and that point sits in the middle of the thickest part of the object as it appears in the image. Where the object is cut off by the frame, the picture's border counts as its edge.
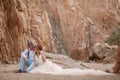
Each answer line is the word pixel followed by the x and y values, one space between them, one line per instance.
pixel 24 55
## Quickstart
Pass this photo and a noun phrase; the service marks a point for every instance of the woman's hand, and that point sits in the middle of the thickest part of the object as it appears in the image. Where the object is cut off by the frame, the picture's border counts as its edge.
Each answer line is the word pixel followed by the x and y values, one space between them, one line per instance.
pixel 36 64
pixel 43 57
pixel 35 61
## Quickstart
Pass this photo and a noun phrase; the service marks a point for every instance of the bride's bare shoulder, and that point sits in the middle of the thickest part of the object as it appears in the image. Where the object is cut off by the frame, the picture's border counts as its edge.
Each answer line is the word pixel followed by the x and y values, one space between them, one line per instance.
pixel 42 51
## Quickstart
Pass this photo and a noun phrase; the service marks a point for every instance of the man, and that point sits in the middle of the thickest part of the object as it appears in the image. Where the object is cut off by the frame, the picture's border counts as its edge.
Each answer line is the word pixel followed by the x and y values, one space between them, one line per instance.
pixel 27 57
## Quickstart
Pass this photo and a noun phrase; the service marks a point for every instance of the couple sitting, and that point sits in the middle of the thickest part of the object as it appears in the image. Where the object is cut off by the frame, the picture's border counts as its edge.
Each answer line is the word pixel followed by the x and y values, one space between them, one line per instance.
pixel 37 63
pixel 31 57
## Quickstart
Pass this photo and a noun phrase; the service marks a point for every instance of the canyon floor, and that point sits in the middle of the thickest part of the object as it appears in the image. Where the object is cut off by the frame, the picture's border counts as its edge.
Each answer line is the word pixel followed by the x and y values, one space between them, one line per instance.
pixel 7 71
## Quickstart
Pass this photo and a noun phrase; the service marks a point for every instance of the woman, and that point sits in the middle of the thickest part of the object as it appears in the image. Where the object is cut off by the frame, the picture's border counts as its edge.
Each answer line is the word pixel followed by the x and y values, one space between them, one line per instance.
pixel 42 64
pixel 47 67
pixel 39 55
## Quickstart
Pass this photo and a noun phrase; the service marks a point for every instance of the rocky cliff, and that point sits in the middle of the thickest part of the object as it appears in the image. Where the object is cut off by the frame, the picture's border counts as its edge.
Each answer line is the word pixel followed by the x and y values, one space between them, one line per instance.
pixel 59 25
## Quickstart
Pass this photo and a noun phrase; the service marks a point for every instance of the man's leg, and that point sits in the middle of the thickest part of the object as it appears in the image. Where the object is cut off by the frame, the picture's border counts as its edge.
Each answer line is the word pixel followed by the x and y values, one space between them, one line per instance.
pixel 21 65
pixel 31 65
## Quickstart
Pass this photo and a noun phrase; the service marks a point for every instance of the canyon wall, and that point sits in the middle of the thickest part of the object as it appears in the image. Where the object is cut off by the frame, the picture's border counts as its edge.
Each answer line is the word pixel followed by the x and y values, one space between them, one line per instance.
pixel 59 25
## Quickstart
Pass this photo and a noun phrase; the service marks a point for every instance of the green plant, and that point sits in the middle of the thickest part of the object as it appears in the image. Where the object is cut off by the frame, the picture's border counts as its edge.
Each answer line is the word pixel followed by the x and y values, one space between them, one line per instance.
pixel 114 38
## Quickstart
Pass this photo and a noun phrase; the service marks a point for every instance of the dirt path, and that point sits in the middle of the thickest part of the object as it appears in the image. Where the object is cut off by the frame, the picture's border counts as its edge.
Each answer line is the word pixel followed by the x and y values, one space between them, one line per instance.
pixel 23 76
pixel 7 73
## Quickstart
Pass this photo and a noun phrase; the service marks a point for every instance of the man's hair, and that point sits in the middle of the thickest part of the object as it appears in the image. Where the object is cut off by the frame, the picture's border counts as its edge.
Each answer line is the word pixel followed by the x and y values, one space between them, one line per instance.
pixel 30 43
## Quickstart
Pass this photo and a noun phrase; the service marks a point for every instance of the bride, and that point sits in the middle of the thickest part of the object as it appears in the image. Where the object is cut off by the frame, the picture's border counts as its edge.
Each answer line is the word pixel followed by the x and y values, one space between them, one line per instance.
pixel 45 66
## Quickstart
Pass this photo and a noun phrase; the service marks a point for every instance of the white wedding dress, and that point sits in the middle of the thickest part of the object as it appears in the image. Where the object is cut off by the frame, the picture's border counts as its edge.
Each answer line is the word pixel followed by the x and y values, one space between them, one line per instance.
pixel 51 68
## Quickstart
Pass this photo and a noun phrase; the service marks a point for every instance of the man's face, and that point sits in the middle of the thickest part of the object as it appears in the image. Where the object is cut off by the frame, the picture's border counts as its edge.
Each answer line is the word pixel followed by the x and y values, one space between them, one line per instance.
pixel 32 47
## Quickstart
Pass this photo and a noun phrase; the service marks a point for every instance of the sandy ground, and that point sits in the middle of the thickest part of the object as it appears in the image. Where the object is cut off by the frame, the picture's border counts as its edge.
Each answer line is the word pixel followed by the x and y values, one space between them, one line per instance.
pixel 23 76
pixel 7 73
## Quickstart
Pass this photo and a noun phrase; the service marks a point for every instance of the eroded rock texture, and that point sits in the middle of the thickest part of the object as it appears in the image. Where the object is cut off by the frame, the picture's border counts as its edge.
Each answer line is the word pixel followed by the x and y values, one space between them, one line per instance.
pixel 20 21
pixel 116 68
pixel 59 25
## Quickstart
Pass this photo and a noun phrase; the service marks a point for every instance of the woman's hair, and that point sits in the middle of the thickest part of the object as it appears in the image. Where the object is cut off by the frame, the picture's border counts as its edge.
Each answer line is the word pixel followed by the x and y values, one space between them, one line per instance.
pixel 40 47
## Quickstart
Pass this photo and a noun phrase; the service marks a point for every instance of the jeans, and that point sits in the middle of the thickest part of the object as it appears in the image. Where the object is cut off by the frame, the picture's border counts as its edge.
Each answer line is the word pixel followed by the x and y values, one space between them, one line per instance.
pixel 22 64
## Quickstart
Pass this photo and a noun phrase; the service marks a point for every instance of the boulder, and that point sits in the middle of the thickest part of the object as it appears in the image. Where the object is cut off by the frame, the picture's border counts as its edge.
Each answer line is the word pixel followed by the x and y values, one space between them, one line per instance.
pixel 105 52
pixel 80 54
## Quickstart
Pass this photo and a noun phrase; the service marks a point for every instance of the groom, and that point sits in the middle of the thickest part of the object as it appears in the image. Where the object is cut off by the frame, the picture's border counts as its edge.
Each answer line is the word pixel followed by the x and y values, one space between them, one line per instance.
pixel 27 57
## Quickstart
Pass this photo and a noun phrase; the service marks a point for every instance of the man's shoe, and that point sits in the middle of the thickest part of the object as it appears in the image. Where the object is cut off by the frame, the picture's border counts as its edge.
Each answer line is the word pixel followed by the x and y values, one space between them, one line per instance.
pixel 18 71
pixel 24 71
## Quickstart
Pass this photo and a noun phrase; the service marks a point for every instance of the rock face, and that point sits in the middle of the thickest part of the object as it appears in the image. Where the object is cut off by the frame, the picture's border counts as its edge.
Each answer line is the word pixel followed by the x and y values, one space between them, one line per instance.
pixel 20 21
pixel 116 68
pixel 59 25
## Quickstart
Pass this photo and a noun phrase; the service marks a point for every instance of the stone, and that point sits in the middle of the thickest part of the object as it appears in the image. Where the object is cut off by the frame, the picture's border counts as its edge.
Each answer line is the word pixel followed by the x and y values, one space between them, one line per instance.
pixel 105 52
pixel 80 54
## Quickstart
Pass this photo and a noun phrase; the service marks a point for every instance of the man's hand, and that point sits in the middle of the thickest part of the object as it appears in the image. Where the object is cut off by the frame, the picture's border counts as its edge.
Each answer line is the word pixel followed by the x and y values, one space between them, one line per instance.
pixel 26 60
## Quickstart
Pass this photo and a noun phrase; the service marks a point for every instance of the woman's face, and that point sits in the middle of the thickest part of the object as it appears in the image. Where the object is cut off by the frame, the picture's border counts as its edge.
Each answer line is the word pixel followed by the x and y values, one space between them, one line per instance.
pixel 36 49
